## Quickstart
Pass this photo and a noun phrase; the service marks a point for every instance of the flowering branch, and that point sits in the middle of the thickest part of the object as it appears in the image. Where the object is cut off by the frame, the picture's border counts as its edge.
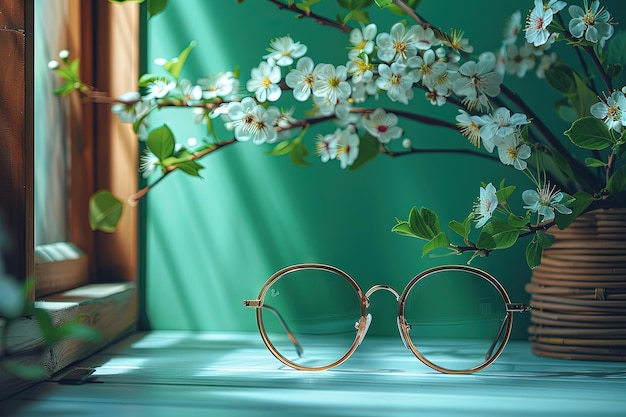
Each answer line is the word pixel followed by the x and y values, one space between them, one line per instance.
pixel 391 66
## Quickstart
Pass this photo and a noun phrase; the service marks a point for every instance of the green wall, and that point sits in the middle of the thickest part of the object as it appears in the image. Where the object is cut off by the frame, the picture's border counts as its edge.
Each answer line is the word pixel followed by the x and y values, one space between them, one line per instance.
pixel 211 243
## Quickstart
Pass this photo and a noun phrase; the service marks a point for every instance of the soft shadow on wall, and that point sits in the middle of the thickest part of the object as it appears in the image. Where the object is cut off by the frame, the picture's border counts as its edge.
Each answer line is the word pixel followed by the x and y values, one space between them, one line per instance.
pixel 213 242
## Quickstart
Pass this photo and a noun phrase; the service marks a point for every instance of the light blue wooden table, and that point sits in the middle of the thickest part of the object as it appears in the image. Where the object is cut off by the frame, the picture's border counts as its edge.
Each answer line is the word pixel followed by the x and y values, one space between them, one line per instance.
pixel 178 374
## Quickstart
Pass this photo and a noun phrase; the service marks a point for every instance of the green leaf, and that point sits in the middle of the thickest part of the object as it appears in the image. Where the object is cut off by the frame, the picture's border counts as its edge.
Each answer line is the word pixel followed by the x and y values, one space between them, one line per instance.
pixel 518 222
pixel 564 109
pixel 533 253
pixel 418 226
pixel 431 220
pixel 463 228
pixel 594 163
pixel 74 68
pixel 403 228
pixel 355 4
pixel 459 228
pixel 535 248
pixel 497 234
pixel 27 372
pixel 357 15
pixel 616 54
pixel 544 240
pixel 504 193
pixel 561 78
pixel 384 3
pixel 161 142
pixel 104 211
pixel 298 153
pixel 155 7
pixel 578 206
pixel 617 184
pixel 439 241
pixel 65 89
pixel 583 98
pixel 563 165
pixel 397 10
pixel 590 133
pixel 305 6
pixel 147 79
pixel 189 167
pixel 175 66
pixel 70 71
pixel 617 48
pixel 369 148
pixel 424 223
pixel 46 327
pixel 282 148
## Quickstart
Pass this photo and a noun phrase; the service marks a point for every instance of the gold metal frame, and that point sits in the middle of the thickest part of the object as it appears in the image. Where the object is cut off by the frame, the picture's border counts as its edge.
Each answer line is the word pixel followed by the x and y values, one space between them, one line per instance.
pixel 504 333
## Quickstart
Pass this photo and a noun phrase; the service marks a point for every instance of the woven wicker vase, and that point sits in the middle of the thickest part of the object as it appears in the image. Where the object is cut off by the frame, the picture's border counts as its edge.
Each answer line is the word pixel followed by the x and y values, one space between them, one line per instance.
pixel 578 293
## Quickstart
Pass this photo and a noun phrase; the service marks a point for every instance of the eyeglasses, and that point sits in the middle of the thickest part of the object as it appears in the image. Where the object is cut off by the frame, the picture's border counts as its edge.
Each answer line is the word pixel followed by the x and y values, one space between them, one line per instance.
pixel 456 319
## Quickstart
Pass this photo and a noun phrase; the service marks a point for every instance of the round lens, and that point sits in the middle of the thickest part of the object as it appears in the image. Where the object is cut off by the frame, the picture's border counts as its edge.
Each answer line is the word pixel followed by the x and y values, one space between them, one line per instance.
pixel 309 316
pixel 457 319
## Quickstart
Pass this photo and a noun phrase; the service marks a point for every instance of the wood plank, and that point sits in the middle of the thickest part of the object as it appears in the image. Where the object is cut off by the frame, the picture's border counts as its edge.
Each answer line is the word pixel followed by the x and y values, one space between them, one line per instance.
pixel 16 136
pixel 109 308
pixel 68 269
pixel 312 399
pixel 227 374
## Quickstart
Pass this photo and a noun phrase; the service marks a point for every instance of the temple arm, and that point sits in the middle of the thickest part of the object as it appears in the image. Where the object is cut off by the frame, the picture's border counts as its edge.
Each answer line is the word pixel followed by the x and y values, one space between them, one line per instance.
pixel 259 304
pixel 510 307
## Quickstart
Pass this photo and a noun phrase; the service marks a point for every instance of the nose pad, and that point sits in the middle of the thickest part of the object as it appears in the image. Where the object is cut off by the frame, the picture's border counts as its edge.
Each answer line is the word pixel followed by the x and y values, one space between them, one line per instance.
pixel 362 326
pixel 404 328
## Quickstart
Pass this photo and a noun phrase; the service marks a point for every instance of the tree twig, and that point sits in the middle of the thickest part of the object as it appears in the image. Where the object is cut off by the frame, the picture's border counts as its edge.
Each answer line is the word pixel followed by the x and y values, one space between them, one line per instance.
pixel 133 199
pixel 402 5
pixel 324 21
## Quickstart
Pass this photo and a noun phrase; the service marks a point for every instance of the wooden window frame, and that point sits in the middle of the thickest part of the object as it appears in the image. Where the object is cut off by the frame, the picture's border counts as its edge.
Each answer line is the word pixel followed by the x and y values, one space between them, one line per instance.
pixel 104 156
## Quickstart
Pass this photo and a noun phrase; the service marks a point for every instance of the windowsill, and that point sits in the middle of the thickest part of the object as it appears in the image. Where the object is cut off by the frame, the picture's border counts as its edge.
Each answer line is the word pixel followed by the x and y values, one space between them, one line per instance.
pixel 109 308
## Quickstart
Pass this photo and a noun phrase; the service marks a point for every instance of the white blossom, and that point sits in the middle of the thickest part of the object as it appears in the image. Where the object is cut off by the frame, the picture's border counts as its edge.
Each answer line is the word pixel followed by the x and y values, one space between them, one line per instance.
pixel 487 204
pixel 536 29
pixel 512 152
pixel 395 81
pixel 477 81
pixel 252 121
pixel 264 81
pixel 612 111
pixel 594 23
pixel 382 125
pixel 284 50
pixel 363 39
pixel 222 85
pixel 399 43
pixel 302 79
pixel 348 149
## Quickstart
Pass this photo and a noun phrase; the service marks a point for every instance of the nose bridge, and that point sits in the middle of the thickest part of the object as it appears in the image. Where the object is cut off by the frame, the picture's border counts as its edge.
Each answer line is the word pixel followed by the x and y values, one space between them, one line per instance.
pixel 403 327
pixel 381 287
